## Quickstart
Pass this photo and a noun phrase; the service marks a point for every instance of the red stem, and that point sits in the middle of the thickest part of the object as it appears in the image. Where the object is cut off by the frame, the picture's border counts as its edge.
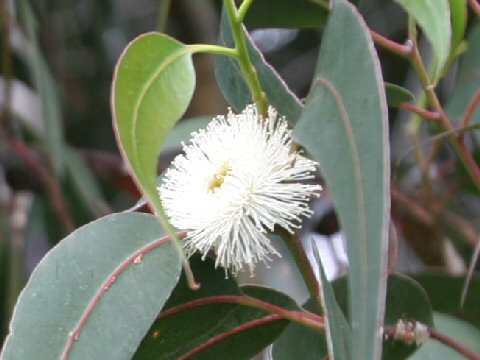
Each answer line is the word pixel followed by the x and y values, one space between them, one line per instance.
pixel 475 6
pixel 136 258
pixel 429 115
pixel 234 331
pixel 400 49
pixel 469 113
pixel 50 183
pixel 454 344
pixel 309 319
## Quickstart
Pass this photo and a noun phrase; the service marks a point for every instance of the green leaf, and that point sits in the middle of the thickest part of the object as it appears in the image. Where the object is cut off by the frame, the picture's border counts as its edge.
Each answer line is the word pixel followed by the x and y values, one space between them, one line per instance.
pixel 405 300
pixel 338 330
pixel 84 182
pixel 46 87
pixel 445 293
pixel 344 127
pixel 459 330
pixel 397 95
pixel 176 334
pixel 235 89
pixel 468 81
pixel 285 14
pixel 458 10
pixel 300 342
pixel 152 87
pixel 182 132
pixel 433 16
pixel 101 258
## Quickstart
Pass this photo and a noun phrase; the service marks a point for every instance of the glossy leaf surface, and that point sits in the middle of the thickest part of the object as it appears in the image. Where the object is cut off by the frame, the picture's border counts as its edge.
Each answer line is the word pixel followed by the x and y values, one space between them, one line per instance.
pixel 152 87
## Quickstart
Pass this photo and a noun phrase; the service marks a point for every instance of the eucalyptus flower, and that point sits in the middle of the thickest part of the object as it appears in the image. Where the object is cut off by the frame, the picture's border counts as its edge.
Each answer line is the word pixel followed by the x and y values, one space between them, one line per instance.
pixel 236 180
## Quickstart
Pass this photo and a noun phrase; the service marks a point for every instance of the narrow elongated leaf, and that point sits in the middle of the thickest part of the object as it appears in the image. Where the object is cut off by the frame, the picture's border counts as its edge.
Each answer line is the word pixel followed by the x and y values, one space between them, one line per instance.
pixel 46 87
pixel 287 14
pixel 468 81
pixel 433 16
pixel 84 182
pixel 344 127
pixel 152 87
pixel 338 331
pixel 458 10
pixel 95 295
pixel 235 89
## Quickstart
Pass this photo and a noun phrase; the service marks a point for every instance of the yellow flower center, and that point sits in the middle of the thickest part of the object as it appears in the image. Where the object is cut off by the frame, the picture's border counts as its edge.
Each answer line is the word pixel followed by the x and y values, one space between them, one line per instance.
pixel 219 178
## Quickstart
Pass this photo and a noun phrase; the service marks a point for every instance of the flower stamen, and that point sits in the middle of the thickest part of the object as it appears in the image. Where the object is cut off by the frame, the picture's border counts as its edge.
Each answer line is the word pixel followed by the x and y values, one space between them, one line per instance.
pixel 219 178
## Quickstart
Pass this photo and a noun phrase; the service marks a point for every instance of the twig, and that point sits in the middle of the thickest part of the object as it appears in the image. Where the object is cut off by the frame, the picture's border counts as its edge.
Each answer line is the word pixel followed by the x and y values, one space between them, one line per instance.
pixel 454 344
pixel 409 337
pixel 399 49
pixel 429 115
pixel 53 188
pixel 308 319
pixel 475 6
pixel 469 113
pixel 295 247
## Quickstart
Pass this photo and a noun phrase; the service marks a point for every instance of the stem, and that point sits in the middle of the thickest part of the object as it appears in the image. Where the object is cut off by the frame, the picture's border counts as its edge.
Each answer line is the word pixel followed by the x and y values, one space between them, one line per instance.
pixel 55 192
pixel 307 319
pixel 298 252
pixel 243 9
pixel 163 13
pixel 469 113
pixel 246 67
pixel 396 48
pixel 435 334
pixel 475 6
pixel 454 344
pixel 429 115
pixel 465 155
pixel 213 49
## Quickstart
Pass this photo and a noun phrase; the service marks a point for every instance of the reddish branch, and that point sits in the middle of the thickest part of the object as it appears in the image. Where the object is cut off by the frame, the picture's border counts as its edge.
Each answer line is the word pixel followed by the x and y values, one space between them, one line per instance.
pixel 390 331
pixel 454 344
pixel 430 218
pixel 400 49
pixel 429 115
pixel 309 319
pixel 469 113
pixel 258 322
pixel 53 188
pixel 475 6
pixel 136 258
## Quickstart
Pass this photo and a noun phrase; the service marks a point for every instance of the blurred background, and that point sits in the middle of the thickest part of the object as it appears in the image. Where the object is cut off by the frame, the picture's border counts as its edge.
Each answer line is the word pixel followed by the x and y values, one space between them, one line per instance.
pixel 60 166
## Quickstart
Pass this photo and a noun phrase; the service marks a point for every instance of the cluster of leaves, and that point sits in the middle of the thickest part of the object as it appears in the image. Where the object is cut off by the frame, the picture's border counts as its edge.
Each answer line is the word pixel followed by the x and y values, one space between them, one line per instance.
pixel 114 288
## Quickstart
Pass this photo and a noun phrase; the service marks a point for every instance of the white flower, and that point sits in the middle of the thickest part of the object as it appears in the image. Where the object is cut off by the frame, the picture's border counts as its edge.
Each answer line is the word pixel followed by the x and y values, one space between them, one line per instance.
pixel 236 180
